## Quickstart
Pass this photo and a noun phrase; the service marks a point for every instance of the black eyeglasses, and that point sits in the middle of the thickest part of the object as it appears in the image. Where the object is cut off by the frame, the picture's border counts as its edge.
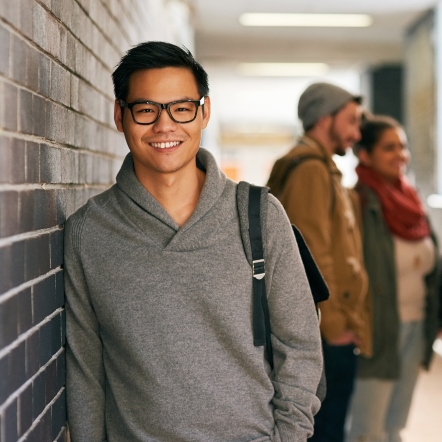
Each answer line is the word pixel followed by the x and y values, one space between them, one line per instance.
pixel 147 112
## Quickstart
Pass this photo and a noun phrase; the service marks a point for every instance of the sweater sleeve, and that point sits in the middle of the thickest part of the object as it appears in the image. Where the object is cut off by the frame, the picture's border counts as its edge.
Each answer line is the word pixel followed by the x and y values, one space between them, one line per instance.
pixel 295 331
pixel 85 383
pixel 308 204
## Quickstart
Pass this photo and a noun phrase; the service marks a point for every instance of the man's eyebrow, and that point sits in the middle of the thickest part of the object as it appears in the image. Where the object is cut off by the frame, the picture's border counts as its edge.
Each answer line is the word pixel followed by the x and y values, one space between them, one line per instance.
pixel 143 99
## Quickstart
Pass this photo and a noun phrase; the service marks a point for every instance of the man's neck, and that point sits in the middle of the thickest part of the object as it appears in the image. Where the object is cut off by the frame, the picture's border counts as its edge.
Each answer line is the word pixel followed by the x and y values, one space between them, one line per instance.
pixel 322 138
pixel 177 193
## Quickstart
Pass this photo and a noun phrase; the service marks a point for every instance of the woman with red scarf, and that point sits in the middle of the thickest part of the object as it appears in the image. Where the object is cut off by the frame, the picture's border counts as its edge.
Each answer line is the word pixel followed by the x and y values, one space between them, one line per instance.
pixel 400 257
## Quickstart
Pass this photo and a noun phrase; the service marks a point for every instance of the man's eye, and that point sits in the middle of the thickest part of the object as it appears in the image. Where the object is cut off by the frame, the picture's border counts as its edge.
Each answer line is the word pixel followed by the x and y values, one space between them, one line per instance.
pixel 182 109
pixel 143 109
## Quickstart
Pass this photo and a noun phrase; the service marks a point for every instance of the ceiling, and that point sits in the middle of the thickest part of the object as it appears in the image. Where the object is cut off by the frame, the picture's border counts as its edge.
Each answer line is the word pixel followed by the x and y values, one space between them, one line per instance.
pixel 220 39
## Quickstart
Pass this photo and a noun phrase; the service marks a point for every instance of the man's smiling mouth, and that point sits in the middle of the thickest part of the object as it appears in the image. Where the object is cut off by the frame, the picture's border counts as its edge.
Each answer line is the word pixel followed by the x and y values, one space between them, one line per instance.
pixel 166 144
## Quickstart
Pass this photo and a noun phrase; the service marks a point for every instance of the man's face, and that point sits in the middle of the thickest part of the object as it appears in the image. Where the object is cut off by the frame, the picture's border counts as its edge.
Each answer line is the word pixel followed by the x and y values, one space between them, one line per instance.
pixel 164 147
pixel 344 128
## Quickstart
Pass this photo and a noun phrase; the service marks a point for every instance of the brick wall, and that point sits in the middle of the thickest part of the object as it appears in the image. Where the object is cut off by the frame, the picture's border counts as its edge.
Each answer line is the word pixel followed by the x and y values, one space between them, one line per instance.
pixel 58 147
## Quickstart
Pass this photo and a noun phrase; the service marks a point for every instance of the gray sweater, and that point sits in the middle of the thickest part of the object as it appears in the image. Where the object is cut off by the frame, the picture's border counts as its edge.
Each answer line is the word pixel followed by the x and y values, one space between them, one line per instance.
pixel 159 322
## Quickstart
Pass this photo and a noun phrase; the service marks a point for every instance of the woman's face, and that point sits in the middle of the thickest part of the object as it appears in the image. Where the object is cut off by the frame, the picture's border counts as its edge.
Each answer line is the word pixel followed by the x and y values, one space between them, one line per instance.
pixel 390 155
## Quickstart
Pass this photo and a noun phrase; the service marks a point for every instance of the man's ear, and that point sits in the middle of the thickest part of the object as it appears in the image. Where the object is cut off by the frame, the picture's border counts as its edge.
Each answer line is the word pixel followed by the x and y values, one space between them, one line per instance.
pixel 324 122
pixel 206 114
pixel 118 116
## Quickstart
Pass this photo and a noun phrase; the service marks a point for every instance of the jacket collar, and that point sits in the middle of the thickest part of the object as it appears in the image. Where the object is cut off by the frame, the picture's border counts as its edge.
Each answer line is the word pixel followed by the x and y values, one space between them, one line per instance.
pixel 310 142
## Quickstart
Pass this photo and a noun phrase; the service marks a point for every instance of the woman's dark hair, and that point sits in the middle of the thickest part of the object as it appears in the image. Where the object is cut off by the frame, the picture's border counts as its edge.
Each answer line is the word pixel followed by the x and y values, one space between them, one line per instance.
pixel 372 128
pixel 155 55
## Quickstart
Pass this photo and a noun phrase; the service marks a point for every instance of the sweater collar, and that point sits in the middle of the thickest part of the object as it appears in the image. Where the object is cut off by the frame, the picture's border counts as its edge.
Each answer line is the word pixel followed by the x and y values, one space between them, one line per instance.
pixel 213 187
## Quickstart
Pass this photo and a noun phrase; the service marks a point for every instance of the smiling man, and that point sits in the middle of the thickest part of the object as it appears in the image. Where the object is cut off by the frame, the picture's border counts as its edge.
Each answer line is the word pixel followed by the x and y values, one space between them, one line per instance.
pixel 159 289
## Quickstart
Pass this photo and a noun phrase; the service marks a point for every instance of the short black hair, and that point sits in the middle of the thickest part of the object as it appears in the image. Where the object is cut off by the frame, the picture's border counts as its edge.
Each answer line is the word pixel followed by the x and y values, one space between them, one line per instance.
pixel 372 128
pixel 156 55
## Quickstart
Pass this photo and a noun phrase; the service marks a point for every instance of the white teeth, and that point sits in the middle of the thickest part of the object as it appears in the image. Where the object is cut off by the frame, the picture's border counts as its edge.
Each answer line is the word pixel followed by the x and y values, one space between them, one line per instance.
pixel 165 145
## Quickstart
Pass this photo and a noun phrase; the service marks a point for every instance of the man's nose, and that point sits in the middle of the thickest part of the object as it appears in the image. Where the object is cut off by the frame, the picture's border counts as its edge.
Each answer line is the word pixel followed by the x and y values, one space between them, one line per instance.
pixel 164 122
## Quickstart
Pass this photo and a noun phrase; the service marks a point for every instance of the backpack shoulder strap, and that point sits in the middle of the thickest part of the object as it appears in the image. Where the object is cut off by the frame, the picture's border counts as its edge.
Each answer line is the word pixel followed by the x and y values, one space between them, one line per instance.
pixel 315 279
pixel 251 200
pixel 253 222
pixel 293 164
pixel 277 184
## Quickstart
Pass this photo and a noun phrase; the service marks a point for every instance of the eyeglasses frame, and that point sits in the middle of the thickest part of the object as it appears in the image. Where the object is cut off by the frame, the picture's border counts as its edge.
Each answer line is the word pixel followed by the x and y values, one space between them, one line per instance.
pixel 162 106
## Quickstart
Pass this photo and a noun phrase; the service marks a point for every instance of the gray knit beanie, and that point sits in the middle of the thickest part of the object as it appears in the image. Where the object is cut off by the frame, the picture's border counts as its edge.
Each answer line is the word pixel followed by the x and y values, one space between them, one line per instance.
pixel 321 99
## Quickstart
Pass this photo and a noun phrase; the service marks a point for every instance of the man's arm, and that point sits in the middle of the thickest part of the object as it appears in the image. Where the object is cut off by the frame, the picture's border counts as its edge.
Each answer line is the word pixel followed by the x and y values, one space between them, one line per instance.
pixel 295 331
pixel 308 197
pixel 85 373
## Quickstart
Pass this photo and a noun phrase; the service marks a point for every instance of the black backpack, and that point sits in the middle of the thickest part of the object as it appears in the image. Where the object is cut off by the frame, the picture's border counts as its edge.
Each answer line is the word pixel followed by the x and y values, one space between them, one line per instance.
pixel 257 197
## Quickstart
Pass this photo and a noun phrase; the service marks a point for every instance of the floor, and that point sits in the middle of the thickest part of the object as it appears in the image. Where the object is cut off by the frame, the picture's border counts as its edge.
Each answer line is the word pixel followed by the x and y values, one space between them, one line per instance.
pixel 424 423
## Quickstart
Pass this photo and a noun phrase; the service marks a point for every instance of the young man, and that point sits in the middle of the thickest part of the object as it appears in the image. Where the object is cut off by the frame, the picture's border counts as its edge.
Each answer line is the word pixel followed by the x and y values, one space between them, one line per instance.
pixel 308 184
pixel 159 290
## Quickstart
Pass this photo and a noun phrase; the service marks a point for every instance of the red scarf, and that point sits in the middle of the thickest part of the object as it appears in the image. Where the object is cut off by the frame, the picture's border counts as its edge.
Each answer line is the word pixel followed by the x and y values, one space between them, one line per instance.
pixel 402 209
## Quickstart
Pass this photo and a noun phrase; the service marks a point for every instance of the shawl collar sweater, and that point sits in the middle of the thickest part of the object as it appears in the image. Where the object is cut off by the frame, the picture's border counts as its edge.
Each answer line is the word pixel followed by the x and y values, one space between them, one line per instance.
pixel 159 322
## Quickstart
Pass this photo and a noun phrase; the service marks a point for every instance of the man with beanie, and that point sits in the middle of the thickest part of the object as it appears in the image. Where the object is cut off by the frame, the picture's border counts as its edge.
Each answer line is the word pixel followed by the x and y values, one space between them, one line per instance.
pixel 308 184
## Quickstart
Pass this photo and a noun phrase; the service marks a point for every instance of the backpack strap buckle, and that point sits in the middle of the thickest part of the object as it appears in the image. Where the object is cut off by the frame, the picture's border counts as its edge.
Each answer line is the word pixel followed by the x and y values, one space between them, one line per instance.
pixel 258 268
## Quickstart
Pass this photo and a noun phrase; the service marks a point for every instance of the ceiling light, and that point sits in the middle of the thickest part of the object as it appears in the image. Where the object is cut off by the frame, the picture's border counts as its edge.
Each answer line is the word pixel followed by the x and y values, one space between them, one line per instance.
pixel 283 69
pixel 320 20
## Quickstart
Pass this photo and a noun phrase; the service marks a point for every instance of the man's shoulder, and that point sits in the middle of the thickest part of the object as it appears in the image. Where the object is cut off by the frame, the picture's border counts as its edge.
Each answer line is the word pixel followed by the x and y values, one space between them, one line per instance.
pixel 274 207
pixel 302 153
pixel 298 157
pixel 307 165
pixel 97 202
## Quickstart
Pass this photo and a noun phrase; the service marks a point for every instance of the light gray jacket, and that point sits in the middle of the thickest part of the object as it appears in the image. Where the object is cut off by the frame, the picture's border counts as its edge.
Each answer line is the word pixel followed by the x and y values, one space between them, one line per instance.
pixel 159 322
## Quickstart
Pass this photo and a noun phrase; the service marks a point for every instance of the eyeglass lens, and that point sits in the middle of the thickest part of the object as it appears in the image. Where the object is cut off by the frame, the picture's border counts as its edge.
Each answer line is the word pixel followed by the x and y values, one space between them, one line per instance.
pixel 181 112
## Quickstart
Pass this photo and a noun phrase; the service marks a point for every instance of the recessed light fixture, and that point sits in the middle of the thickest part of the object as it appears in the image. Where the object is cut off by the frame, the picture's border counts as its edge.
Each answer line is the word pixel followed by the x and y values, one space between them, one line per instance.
pixel 306 20
pixel 283 69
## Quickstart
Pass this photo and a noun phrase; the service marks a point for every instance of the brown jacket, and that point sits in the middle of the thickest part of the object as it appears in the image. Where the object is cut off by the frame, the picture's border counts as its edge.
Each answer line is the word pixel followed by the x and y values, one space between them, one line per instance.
pixel 326 213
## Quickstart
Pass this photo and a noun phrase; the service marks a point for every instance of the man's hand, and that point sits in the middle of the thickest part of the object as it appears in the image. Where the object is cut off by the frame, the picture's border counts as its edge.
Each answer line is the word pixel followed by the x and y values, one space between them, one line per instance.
pixel 347 338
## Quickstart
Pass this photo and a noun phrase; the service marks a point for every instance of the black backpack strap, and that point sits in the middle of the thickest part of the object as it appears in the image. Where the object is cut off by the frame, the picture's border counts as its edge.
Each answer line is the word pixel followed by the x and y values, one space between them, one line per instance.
pixel 250 211
pixel 277 184
pixel 315 279
pixel 261 316
pixel 294 163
